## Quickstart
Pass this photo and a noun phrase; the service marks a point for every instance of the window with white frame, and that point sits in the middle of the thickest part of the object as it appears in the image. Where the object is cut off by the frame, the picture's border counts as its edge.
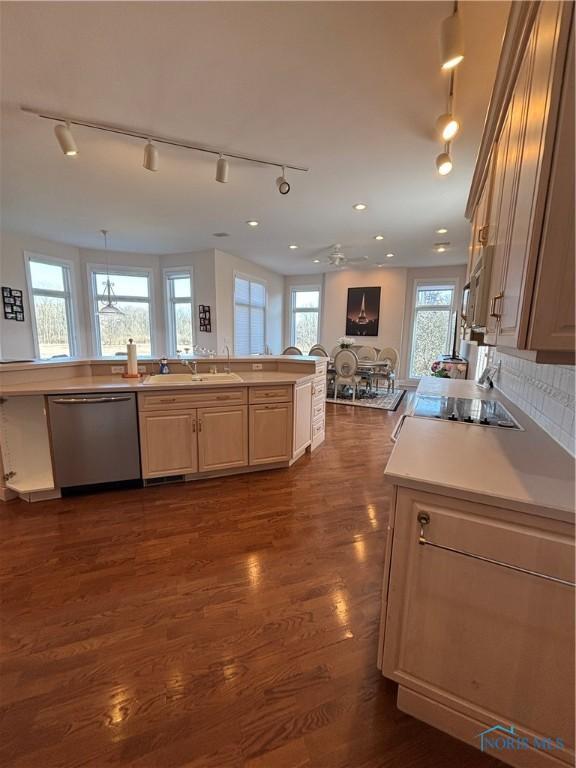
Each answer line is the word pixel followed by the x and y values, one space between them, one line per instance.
pixel 305 318
pixel 132 297
pixel 50 291
pixel 249 316
pixel 180 310
pixel 432 326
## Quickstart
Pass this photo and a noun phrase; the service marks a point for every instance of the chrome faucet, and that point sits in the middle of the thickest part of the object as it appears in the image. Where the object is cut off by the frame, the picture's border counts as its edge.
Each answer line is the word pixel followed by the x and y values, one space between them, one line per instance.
pixel 193 366
pixel 227 368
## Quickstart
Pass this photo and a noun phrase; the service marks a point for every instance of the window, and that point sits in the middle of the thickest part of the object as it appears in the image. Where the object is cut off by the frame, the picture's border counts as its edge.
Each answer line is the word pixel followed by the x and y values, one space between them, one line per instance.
pixel 305 305
pixel 249 316
pixel 433 326
pixel 180 310
pixel 132 296
pixel 50 291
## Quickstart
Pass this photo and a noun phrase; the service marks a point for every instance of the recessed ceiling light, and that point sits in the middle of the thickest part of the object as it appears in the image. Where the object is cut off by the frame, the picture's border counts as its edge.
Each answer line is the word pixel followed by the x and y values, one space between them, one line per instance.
pixel 389 255
pixel 316 261
pixel 359 206
pixel 378 237
pixel 252 223
pixel 220 234
pixel 379 265
pixel 441 231
pixel 293 246
pixel 441 247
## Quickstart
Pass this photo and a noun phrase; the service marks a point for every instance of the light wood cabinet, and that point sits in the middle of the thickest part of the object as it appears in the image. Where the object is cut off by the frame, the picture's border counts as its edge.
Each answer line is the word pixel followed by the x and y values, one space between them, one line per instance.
pixel 302 417
pixel 168 443
pixel 270 430
pixel 470 641
pixel 526 172
pixel 222 437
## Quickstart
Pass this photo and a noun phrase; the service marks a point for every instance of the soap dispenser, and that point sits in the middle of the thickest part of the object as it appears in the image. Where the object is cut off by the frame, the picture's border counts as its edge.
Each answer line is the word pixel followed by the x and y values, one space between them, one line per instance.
pixel 164 366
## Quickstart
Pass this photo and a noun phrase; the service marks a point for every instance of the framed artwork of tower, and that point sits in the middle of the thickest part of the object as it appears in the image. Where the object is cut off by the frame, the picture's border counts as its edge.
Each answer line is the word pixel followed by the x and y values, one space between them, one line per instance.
pixel 363 311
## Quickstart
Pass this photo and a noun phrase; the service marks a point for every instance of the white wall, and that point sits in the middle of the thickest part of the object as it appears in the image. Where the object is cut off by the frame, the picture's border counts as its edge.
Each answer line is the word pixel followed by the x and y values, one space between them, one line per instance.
pixel 392 283
pixel 16 338
pixel 226 266
pixel 213 277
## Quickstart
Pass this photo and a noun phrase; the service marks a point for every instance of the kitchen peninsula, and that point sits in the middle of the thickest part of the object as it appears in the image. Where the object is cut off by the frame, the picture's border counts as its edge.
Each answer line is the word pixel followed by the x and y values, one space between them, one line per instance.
pixel 230 416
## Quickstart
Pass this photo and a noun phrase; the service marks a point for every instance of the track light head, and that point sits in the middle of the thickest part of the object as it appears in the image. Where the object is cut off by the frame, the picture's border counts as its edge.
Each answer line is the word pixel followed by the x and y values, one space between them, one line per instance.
pixel 222 170
pixel 451 42
pixel 151 157
pixel 282 183
pixel 66 140
pixel 444 163
pixel 447 127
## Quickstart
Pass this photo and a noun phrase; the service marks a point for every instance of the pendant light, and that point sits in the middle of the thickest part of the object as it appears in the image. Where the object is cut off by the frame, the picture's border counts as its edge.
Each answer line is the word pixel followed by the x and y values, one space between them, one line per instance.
pixel 66 140
pixel 444 161
pixel 222 170
pixel 282 183
pixel 451 41
pixel 109 307
pixel 151 157
pixel 447 125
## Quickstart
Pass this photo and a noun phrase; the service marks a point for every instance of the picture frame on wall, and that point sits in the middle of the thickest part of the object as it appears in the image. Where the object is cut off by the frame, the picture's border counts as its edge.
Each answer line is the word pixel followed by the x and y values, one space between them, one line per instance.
pixel 12 301
pixel 204 318
pixel 363 311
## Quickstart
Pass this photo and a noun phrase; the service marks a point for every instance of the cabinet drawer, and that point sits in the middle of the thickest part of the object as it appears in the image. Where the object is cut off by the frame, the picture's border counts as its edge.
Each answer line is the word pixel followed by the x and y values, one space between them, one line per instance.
pixel 275 394
pixel 457 593
pixel 317 428
pixel 168 400
pixel 318 410
pixel 319 388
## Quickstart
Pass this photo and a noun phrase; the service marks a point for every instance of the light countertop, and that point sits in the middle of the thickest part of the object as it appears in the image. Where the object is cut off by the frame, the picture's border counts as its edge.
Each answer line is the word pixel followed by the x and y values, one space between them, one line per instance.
pixel 522 470
pixel 118 384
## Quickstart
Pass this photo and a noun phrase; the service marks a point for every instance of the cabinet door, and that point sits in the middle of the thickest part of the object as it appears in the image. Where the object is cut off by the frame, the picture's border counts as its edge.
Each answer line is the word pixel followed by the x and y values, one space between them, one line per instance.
pixel 270 433
pixel 168 443
pixel 494 644
pixel 222 437
pixel 552 319
pixel 302 417
pixel 497 222
pixel 532 95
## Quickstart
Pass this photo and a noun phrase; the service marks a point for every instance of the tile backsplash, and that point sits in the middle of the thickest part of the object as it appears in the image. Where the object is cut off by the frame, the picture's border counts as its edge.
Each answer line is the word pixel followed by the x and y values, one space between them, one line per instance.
pixel 544 392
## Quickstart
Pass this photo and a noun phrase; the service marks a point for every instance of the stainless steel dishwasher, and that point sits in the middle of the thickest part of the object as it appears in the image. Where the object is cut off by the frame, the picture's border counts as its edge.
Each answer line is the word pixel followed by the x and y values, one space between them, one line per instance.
pixel 94 438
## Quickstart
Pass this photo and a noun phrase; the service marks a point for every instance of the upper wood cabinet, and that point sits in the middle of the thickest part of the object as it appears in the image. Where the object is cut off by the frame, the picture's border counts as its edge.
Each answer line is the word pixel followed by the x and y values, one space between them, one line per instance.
pixel 222 437
pixel 522 197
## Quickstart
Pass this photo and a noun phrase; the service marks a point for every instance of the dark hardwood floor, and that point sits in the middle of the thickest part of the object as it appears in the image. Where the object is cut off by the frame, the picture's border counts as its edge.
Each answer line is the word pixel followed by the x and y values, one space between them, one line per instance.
pixel 220 624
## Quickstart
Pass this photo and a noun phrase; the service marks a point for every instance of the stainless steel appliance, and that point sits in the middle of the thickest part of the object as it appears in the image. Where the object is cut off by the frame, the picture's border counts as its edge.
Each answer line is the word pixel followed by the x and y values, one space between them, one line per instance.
pixel 484 413
pixel 94 438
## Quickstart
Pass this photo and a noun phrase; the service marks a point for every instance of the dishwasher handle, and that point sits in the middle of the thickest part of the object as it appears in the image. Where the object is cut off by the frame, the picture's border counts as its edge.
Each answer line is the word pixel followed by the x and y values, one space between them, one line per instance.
pixel 84 400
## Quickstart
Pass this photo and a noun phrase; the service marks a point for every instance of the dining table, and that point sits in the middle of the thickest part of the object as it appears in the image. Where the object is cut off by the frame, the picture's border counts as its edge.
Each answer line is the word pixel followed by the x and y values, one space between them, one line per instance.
pixel 371 368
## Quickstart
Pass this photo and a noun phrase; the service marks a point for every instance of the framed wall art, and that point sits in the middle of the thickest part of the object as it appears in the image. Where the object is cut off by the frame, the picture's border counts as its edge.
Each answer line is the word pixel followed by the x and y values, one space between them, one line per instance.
pixel 363 311
pixel 13 304
pixel 204 318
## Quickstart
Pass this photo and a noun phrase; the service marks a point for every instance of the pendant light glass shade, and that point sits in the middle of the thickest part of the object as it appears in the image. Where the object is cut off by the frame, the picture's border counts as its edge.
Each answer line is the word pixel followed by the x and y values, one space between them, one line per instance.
pixel 444 163
pixel 66 140
pixel 222 170
pixel 451 42
pixel 109 307
pixel 447 126
pixel 151 157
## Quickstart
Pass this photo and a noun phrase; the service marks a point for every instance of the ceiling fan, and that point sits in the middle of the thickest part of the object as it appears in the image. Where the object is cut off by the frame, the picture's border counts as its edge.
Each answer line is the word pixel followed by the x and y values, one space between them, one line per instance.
pixel 337 258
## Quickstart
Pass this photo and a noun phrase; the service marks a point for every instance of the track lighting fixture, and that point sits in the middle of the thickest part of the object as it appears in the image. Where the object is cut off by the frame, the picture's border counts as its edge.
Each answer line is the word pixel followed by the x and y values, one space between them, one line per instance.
pixel 66 140
pixel 444 161
pixel 151 157
pixel 282 183
pixel 451 41
pixel 447 125
pixel 222 170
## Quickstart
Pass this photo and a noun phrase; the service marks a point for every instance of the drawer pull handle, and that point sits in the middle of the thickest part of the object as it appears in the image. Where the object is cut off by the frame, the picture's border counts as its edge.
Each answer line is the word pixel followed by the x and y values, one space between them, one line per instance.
pixel 424 519
pixel 168 400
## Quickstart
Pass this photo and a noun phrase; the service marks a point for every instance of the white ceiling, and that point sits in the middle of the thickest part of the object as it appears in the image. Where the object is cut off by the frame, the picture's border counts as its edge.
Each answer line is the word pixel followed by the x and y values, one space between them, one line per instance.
pixel 351 89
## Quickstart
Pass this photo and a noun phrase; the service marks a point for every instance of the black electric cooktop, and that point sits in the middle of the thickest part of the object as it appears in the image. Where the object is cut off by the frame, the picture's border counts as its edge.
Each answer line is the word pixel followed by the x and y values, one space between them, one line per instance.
pixel 484 413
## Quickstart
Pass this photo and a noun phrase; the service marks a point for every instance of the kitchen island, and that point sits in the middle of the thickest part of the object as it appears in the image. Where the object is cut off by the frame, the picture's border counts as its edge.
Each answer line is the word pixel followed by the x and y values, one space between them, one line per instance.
pixel 477 621
pixel 262 412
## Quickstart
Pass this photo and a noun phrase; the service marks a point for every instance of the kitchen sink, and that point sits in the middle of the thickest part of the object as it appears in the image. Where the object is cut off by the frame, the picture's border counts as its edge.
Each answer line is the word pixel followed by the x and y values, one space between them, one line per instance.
pixel 186 379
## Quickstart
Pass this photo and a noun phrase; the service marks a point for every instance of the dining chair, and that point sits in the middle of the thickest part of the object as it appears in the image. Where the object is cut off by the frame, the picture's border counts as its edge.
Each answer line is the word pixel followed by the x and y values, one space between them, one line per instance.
pixel 389 356
pixel 318 350
pixel 367 355
pixel 292 351
pixel 346 367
